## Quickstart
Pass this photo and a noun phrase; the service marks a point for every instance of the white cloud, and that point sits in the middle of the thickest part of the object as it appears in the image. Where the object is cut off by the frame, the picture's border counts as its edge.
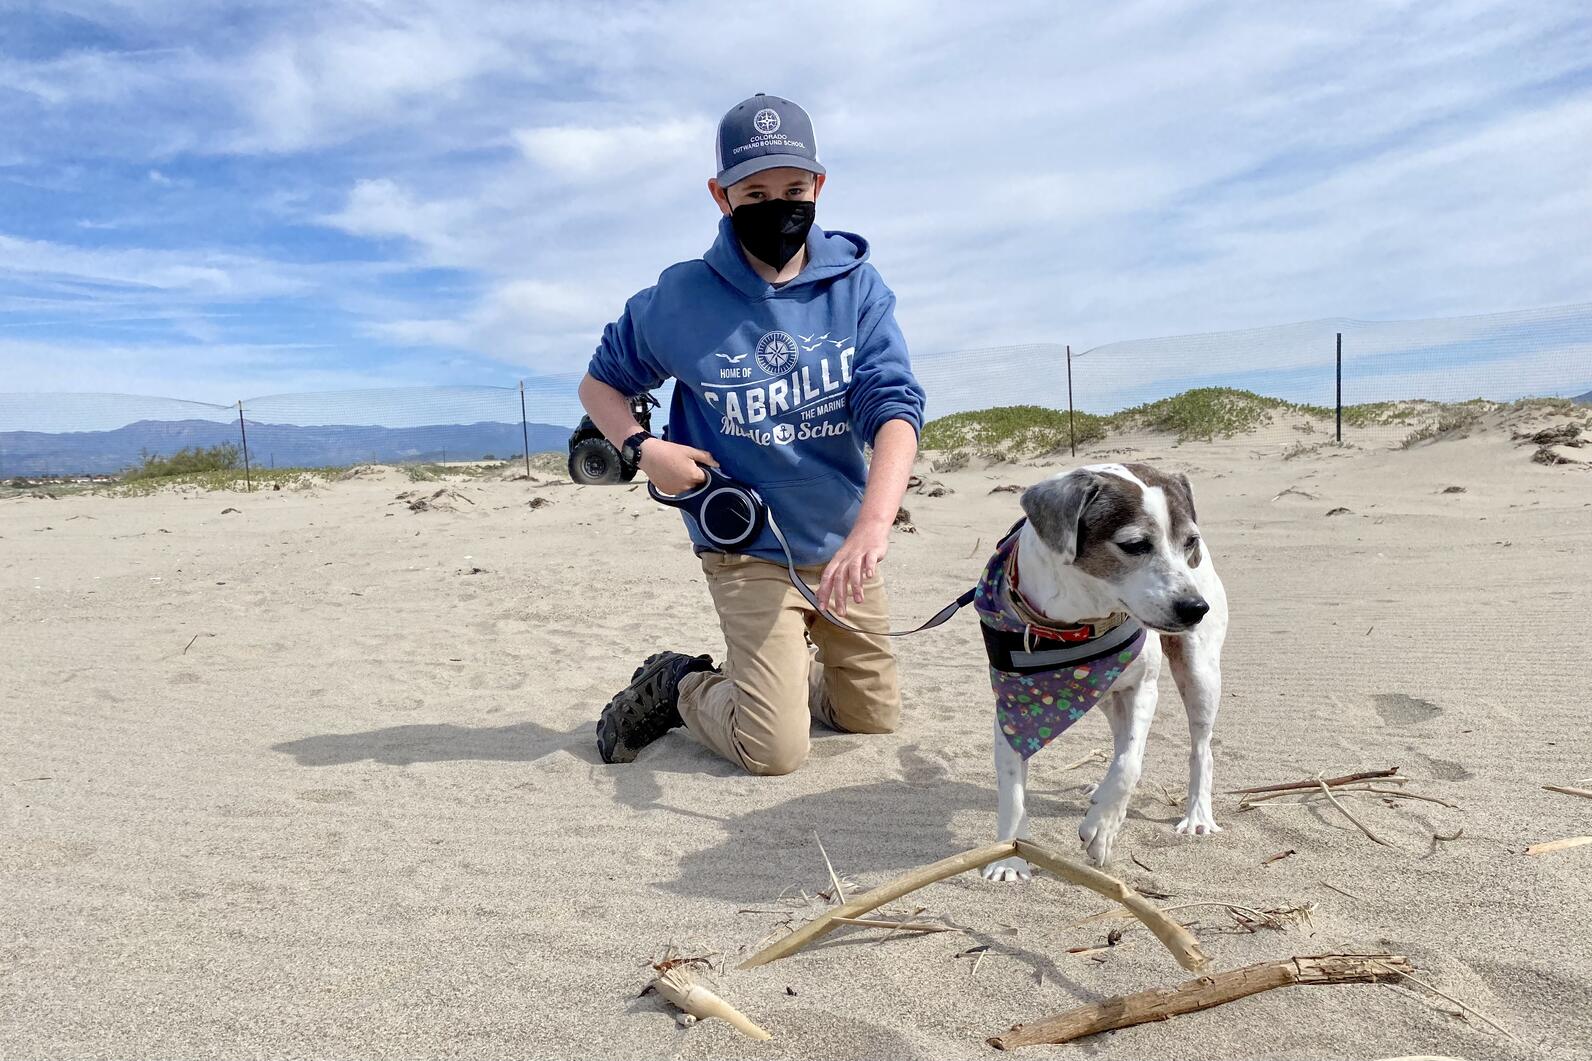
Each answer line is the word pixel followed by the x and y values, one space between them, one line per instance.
pixel 583 151
pixel 1025 175
pixel 185 273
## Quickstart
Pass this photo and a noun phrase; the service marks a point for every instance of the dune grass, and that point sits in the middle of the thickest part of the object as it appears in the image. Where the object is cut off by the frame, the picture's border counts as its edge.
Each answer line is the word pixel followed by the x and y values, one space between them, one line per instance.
pixel 1202 414
pixel 222 479
pixel 1208 413
pixel 1010 430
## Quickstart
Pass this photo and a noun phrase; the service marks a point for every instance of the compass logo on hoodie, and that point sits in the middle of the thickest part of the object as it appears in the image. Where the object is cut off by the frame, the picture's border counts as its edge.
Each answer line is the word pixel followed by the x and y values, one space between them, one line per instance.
pixel 776 353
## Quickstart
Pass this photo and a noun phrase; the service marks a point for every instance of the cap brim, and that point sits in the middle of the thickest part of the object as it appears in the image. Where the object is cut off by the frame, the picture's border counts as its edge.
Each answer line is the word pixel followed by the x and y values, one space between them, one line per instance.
pixel 742 170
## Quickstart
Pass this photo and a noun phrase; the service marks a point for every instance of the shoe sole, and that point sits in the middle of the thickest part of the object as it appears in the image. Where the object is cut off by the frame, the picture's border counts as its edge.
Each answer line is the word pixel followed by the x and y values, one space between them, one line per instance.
pixel 609 748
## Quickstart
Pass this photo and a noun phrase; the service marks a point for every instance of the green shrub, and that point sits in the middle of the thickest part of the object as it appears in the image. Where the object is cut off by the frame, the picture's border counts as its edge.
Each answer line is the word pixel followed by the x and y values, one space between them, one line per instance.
pixel 1208 413
pixel 188 460
pixel 1012 430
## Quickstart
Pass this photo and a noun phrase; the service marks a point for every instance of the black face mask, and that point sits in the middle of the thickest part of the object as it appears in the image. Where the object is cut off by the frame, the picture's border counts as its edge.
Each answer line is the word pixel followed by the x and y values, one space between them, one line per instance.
pixel 773 231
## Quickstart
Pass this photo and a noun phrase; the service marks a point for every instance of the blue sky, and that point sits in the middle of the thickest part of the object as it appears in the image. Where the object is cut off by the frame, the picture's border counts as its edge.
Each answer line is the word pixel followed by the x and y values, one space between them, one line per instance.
pixel 214 201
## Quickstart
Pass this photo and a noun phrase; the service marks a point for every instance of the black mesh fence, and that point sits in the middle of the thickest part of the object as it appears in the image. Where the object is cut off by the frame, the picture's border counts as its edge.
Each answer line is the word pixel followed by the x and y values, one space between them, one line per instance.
pixel 1378 383
pixel 1368 382
pixel 100 435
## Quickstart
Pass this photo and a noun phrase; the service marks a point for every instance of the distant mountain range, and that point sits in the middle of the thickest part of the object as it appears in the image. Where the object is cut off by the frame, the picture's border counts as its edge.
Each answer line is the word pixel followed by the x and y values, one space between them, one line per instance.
pixel 1583 399
pixel 285 445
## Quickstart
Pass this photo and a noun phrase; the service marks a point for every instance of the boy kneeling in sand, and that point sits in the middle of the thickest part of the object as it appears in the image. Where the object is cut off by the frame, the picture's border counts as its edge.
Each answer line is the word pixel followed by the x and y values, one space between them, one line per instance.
pixel 787 359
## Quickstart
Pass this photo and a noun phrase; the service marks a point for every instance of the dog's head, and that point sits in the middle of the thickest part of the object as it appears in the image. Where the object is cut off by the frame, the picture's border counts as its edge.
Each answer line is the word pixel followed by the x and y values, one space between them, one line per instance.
pixel 1132 528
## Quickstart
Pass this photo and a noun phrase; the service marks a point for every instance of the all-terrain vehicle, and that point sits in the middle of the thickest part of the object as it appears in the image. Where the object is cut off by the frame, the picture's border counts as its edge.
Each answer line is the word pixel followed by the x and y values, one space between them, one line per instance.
pixel 593 460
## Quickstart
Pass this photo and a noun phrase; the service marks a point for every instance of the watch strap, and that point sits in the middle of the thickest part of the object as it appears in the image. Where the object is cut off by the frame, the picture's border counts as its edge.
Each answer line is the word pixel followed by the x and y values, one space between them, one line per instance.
pixel 631 448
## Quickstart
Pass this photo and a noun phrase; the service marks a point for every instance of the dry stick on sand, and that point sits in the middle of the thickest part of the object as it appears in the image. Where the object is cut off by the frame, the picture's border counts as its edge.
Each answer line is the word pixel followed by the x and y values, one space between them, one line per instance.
pixel 892 932
pixel 1366 775
pixel 678 986
pixel 1175 937
pixel 1398 793
pixel 840 893
pixel 1358 824
pixel 1569 791
pixel 1558 845
pixel 1389 793
pixel 1161 1003
pixel 1313 792
pixel 1473 1011
pixel 896 926
pixel 1095 756
pixel 1257 916
pixel 1342 891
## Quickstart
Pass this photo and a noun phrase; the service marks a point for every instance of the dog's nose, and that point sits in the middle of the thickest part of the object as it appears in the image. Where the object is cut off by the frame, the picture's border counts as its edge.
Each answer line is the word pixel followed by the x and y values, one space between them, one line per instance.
pixel 1191 610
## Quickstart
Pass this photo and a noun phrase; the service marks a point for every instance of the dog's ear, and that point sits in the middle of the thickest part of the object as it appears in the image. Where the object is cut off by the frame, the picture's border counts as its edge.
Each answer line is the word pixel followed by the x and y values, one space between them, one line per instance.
pixel 1188 494
pixel 1192 554
pixel 1055 508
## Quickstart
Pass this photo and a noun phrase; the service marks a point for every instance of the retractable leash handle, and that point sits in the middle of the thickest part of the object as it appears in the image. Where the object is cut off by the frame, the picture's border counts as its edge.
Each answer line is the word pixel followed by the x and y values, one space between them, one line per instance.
pixel 731 515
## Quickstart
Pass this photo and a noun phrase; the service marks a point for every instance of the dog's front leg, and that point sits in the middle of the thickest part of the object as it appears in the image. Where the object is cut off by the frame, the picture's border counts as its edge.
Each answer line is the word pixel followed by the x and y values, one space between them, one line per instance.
pixel 1011 788
pixel 1198 673
pixel 1129 712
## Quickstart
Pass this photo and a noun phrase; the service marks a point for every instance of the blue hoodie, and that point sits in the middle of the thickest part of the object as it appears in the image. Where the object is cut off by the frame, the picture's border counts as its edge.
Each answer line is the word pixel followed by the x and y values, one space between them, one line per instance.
pixel 784 386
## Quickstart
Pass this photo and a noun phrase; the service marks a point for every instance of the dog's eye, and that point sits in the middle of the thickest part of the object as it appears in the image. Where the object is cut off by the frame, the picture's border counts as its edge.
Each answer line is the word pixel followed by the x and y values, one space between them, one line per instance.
pixel 1135 548
pixel 1193 540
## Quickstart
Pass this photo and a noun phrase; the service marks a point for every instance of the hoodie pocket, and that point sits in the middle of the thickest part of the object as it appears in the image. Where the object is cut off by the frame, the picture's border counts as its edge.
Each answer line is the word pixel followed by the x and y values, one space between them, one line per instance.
pixel 815 514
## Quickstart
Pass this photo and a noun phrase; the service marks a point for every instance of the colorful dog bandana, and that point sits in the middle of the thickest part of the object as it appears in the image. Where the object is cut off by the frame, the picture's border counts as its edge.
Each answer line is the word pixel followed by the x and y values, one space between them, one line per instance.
pixel 1046 676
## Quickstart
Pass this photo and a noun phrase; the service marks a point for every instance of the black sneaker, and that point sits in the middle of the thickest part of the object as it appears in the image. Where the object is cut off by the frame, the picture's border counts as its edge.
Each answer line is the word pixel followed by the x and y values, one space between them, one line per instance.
pixel 648 708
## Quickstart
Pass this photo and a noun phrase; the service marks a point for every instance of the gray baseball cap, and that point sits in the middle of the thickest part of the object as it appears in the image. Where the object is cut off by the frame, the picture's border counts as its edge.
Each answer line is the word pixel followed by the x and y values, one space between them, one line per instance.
pixel 765 132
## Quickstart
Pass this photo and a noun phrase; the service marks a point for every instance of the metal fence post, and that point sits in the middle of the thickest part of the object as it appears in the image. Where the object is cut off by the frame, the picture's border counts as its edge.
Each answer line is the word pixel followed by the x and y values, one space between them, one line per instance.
pixel 525 431
pixel 1340 388
pixel 247 477
pixel 1072 434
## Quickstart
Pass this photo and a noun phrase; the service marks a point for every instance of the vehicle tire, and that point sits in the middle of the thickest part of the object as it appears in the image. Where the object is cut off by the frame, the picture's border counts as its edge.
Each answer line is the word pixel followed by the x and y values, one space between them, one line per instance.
pixel 593 462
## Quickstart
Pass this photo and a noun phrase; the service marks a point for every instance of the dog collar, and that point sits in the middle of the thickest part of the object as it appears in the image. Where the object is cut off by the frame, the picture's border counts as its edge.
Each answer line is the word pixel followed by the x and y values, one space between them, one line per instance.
pixel 1040 627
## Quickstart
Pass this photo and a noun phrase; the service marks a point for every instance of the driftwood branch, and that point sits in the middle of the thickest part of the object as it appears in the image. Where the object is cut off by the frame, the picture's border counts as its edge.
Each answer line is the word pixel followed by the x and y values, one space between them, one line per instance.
pixel 1172 935
pixel 679 987
pixel 1364 775
pixel 1162 1003
pixel 1176 938
pixel 1570 790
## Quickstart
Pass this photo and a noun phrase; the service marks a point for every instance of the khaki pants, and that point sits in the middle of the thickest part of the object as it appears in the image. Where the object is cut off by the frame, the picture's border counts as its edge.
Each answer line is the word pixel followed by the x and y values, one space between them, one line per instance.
pixel 756 713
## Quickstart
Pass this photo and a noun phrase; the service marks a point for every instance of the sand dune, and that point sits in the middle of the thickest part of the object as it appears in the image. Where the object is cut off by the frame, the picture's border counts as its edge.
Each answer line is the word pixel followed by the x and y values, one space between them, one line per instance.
pixel 316 777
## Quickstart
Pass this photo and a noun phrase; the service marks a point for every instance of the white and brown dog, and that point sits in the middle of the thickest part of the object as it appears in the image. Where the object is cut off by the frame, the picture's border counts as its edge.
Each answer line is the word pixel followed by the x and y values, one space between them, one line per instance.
pixel 1110 558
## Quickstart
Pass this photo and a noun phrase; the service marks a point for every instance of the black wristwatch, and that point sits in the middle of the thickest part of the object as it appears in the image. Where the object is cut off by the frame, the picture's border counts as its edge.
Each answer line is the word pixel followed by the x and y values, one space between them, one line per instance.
pixel 630 450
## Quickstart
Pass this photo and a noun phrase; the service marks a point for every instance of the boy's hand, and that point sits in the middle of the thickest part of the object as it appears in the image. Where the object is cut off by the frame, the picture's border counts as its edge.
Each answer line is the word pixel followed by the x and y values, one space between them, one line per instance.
pixel 673 467
pixel 855 563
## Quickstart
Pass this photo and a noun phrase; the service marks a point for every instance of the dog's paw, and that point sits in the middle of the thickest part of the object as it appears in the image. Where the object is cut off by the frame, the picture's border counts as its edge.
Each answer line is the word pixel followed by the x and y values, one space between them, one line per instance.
pixel 1008 869
pixel 1199 822
pixel 1099 832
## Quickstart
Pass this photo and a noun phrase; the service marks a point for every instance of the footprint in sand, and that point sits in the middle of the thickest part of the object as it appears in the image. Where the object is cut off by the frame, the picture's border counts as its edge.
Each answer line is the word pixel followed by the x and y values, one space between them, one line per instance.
pixel 1401 709
pixel 327 795
pixel 1446 769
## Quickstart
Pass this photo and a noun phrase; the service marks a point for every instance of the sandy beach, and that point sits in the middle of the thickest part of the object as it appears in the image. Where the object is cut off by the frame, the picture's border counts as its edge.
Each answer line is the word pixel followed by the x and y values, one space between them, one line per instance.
pixel 316 778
